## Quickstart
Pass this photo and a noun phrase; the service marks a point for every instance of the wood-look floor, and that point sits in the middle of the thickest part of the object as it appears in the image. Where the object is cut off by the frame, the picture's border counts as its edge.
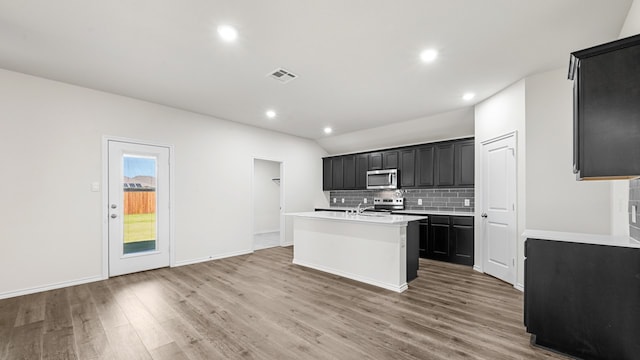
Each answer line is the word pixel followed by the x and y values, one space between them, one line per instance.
pixel 260 306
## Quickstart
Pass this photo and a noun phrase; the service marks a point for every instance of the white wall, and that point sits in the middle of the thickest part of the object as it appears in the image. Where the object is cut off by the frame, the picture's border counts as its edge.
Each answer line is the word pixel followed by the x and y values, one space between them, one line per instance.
pixel 50 149
pixel 449 125
pixel 631 24
pixel 266 196
pixel 554 199
pixel 501 114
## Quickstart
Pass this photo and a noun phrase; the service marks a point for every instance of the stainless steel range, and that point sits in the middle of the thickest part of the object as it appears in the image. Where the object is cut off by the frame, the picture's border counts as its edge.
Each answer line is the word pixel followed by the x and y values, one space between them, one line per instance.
pixel 388 204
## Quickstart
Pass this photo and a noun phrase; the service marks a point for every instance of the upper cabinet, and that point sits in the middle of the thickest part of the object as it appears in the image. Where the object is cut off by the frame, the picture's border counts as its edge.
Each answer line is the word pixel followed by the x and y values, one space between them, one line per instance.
pixel 607 110
pixel 464 163
pixel 443 164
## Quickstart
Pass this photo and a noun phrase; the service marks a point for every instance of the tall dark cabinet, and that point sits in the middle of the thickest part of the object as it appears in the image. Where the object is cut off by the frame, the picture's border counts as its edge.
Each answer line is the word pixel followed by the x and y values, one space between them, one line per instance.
pixel 425 160
pixel 445 169
pixel 362 166
pixel 607 110
pixel 407 168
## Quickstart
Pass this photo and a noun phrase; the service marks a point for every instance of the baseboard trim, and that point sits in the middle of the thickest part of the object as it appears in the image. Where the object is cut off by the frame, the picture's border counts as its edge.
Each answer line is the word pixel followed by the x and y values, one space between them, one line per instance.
pixel 266 232
pixel 477 268
pixel 519 286
pixel 289 243
pixel 351 276
pixel 213 257
pixel 37 289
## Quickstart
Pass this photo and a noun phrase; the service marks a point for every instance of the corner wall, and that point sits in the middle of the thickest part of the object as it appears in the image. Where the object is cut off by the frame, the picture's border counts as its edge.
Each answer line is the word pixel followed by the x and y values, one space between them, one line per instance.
pixel 501 114
pixel 51 151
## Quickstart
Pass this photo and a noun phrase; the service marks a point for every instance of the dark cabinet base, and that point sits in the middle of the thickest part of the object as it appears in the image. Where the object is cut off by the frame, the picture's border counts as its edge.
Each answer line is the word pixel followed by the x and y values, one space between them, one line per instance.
pixel 448 238
pixel 583 299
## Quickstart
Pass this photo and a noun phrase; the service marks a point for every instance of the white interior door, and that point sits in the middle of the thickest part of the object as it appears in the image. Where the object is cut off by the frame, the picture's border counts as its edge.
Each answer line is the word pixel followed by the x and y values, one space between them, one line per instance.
pixel 138 213
pixel 499 210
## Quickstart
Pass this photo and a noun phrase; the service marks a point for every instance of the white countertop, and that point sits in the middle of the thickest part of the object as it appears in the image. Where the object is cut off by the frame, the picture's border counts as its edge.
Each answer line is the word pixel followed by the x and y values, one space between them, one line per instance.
pixel 412 212
pixel 373 218
pixel 595 239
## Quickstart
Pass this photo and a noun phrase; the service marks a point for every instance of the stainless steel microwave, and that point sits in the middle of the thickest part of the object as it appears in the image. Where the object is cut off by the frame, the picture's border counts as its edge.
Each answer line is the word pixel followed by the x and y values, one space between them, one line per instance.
pixel 382 179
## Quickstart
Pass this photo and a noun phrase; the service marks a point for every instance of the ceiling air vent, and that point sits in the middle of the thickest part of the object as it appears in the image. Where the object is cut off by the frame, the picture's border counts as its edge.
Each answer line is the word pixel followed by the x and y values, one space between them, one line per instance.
pixel 282 75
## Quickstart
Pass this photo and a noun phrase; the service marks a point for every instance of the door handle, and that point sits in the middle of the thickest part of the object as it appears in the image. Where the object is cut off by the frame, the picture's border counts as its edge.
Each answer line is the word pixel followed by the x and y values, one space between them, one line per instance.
pixel 484 215
pixel 113 216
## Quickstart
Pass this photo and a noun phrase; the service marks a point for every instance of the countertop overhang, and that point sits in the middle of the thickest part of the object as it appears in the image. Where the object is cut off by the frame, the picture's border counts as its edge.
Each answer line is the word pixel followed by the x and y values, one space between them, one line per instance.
pixel 594 239
pixel 370 218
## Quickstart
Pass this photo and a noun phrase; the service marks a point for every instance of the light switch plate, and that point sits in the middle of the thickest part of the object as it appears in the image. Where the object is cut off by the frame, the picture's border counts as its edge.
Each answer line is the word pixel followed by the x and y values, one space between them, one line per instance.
pixel 364 200
pixel 467 202
pixel 95 186
pixel 419 201
pixel 343 200
pixel 334 200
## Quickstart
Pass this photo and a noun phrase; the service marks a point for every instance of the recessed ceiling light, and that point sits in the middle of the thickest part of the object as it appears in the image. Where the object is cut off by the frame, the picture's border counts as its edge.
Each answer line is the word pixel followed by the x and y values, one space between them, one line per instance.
pixel 468 96
pixel 429 55
pixel 328 130
pixel 227 33
pixel 270 114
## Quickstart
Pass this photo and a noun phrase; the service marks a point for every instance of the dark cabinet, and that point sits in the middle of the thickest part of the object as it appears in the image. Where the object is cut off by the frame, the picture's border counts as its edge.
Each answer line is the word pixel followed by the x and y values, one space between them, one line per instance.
pixel 349 169
pixel 407 168
pixel 607 109
pixel 462 240
pixel 450 239
pixel 425 160
pixel 583 299
pixel 375 161
pixel 438 245
pixel 362 166
pixel 390 159
pixel 424 237
pixel 337 173
pixel 445 165
pixel 327 178
pixel 464 163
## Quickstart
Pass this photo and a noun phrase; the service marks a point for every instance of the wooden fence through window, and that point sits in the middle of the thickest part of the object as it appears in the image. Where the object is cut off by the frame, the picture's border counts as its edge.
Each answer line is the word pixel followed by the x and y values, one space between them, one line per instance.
pixel 139 202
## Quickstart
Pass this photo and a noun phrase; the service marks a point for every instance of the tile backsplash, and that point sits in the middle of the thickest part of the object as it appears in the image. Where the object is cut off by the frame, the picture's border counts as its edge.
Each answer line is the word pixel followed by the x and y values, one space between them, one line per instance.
pixel 432 199
pixel 634 199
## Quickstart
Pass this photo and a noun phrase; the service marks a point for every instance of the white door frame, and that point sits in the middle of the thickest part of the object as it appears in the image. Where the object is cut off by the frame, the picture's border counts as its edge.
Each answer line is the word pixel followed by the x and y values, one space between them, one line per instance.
pixel 282 202
pixel 480 205
pixel 105 198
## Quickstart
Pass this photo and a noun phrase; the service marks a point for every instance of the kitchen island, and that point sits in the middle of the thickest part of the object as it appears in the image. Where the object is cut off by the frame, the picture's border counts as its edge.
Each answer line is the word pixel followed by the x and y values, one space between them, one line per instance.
pixel 371 248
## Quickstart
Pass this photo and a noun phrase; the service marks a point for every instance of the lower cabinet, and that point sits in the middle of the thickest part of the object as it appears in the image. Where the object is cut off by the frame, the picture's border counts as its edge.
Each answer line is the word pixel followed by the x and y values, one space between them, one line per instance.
pixel 583 299
pixel 448 238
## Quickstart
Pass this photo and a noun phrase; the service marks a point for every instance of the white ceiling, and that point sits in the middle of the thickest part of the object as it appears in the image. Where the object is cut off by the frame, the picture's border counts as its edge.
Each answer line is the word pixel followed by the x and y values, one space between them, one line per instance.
pixel 357 60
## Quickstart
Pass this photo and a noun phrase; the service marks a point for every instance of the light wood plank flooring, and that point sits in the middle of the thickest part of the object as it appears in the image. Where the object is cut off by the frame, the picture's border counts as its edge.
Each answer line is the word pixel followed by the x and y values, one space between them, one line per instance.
pixel 260 306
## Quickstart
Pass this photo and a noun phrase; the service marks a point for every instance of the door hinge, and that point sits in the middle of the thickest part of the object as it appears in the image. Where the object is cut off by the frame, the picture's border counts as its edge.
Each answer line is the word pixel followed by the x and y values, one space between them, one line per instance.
pixel 513 207
pixel 513 262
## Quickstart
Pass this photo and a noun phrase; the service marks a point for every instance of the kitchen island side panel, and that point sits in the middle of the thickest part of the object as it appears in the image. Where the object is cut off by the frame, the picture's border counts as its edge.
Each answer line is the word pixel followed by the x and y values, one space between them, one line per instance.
pixel 370 253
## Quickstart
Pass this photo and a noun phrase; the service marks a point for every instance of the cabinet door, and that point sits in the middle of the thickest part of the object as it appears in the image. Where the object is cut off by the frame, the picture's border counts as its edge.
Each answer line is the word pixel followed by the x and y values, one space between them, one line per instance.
pixel 407 168
pixel 390 159
pixel 438 245
pixel 337 173
pixel 445 165
pixel 362 165
pixel 609 108
pixel 424 237
pixel 349 167
pixel 327 178
pixel 425 156
pixel 462 240
pixel 375 161
pixel 465 163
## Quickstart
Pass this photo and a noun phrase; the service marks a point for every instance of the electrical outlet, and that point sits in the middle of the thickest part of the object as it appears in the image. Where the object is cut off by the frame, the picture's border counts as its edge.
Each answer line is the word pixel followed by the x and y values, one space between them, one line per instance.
pixel 467 202
pixel 634 212
pixel 334 200
pixel 95 186
pixel 364 200
pixel 343 200
pixel 419 201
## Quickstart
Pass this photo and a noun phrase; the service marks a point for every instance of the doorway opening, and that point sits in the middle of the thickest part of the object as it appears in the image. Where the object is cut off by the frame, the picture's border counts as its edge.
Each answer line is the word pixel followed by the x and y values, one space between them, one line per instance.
pixel 267 204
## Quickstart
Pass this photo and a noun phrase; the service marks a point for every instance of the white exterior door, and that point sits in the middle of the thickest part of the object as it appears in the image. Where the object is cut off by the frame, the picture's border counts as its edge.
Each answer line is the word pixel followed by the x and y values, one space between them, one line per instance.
pixel 138 211
pixel 499 208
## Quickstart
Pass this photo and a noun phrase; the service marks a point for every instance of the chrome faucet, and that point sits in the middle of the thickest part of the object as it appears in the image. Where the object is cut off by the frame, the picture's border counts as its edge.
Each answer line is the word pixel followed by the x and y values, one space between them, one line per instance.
pixel 360 210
